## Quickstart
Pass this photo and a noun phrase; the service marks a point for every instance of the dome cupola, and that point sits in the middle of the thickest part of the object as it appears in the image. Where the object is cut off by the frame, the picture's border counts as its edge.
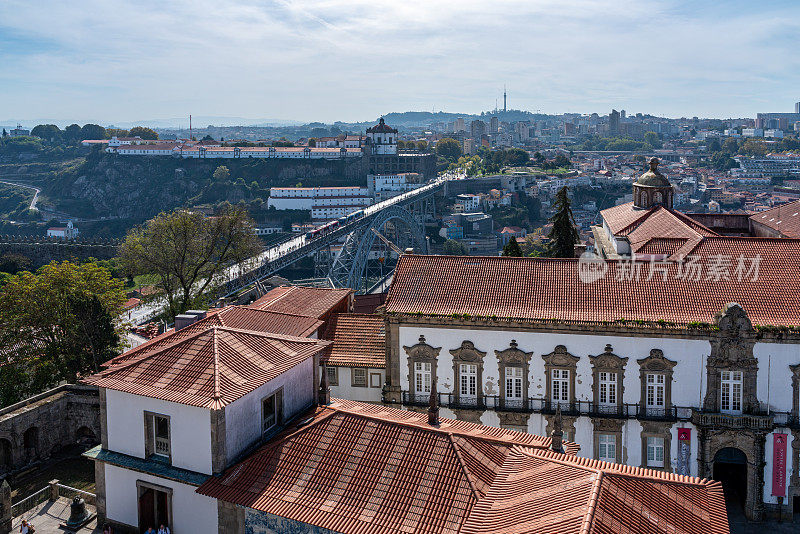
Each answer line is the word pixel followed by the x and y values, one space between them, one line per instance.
pixel 652 189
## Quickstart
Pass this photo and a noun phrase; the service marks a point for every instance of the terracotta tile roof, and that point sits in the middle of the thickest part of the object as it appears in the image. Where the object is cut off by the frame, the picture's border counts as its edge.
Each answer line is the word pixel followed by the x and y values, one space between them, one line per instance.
pixel 543 492
pixel 365 468
pixel 306 301
pixel 544 289
pixel 359 340
pixel 661 246
pixel 368 468
pixel 210 369
pixel 238 317
pixel 785 219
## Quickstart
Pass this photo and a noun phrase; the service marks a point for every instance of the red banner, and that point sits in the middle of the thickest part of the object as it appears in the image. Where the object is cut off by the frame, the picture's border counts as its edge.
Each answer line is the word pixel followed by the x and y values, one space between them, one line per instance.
pixel 684 451
pixel 779 465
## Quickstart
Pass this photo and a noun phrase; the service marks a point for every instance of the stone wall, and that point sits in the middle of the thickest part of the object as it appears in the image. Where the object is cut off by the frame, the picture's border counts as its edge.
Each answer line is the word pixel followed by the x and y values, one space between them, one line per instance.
pixel 35 428
pixel 43 250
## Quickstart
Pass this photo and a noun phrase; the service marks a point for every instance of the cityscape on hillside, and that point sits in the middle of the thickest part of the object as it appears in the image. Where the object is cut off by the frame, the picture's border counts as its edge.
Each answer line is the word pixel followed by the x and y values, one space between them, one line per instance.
pixel 281 305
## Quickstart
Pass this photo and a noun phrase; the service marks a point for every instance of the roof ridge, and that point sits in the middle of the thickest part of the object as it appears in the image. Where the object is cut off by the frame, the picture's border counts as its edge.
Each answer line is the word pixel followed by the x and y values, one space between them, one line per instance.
pixel 626 471
pixel 588 519
pixel 272 335
pixel 250 307
pixel 450 430
pixel 147 355
pixel 467 473
pixel 215 354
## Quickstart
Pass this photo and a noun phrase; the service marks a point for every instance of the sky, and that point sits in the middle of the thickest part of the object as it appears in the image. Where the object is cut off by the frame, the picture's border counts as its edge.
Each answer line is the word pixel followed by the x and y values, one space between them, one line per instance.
pixel 353 60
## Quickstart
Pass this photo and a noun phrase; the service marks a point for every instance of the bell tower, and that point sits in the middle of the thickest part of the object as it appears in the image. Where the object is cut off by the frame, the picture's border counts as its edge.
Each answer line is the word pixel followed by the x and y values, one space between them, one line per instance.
pixel 652 189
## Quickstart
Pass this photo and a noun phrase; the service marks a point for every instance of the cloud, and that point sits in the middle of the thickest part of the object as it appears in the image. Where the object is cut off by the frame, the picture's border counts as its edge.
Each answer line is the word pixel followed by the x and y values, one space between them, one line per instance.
pixel 352 60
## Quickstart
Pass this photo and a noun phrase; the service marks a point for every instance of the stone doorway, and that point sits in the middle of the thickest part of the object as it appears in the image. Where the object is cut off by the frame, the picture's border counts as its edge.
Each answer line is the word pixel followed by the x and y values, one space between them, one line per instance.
pixel 154 508
pixel 730 468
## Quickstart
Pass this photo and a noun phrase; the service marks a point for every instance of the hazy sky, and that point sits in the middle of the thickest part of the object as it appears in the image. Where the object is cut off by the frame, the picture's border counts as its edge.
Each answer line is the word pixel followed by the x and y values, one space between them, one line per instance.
pixel 353 60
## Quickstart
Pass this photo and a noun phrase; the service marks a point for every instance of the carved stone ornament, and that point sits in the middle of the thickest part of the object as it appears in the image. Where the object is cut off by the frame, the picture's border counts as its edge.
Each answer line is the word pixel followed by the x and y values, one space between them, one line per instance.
pixel 467 352
pixel 560 358
pixel 733 321
pixel 608 361
pixel 422 351
pixel 513 418
pixel 607 424
pixel 515 356
pixel 656 362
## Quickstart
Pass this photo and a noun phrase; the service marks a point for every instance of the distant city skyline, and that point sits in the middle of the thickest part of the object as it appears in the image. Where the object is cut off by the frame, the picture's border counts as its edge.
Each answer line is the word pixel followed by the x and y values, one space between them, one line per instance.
pixel 330 60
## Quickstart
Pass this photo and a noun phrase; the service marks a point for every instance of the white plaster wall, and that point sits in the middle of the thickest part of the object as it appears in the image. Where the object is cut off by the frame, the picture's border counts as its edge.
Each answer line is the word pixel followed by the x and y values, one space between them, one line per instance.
pixel 768 456
pixel 687 376
pixel 345 389
pixel 190 429
pixel 192 513
pixel 774 377
pixel 243 417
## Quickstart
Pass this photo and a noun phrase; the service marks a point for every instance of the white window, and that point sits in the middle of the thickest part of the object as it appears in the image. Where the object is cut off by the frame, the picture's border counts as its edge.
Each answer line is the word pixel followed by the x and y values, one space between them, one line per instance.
pixel 161 433
pixel 654 393
pixel 608 388
pixel 469 379
pixel 375 380
pixel 560 385
pixel 514 383
pixel 422 377
pixel 655 452
pixel 359 377
pixel 607 447
pixel 333 375
pixel 731 392
pixel 271 411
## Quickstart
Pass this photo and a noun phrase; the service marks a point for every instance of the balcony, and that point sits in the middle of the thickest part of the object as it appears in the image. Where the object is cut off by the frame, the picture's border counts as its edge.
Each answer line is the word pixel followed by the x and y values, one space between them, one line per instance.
pixel 548 407
pixel 733 421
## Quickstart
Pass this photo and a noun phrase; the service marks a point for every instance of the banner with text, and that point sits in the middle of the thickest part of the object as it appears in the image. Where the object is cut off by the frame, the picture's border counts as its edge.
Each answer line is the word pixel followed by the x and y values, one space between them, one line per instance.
pixel 779 465
pixel 684 450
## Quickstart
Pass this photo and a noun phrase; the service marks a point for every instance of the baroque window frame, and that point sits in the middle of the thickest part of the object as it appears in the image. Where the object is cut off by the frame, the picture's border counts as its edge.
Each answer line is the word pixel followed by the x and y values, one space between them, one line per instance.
pixel 608 362
pixel 513 356
pixel 560 359
pixel 467 354
pixel 651 429
pixel 424 353
pixel 656 364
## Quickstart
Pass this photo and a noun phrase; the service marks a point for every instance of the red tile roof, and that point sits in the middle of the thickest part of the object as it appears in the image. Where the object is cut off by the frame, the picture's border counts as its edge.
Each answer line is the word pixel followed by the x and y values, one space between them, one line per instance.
pixel 210 369
pixel 359 340
pixel 544 492
pixel 365 468
pixel 238 317
pixel 307 301
pixel 785 219
pixel 543 289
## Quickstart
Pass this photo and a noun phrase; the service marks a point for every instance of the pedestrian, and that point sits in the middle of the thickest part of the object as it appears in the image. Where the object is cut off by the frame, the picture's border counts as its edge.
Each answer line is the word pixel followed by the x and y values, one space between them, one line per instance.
pixel 150 531
pixel 107 529
pixel 163 530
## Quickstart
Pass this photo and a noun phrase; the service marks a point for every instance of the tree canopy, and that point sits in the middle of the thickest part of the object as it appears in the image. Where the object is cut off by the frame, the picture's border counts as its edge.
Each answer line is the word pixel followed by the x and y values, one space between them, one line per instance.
pixel 92 131
pixel 448 148
pixel 563 236
pixel 512 248
pixel 50 132
pixel 452 247
pixel 221 174
pixel 59 323
pixel 143 132
pixel 186 251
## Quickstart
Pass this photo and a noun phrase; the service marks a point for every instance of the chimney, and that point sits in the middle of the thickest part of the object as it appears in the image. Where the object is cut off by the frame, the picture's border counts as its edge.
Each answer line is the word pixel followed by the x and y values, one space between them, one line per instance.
pixel 190 317
pixel 433 406
pixel 199 314
pixel 409 250
pixel 324 395
pixel 558 434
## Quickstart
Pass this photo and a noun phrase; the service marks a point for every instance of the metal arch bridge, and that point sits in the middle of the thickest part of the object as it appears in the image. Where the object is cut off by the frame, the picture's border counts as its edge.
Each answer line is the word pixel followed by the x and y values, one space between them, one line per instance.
pixel 348 266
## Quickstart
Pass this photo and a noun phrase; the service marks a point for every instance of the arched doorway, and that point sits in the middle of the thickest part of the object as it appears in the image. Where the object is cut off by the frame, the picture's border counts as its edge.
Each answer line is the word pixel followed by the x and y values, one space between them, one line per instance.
pixel 6 460
pixel 730 468
pixel 85 436
pixel 30 441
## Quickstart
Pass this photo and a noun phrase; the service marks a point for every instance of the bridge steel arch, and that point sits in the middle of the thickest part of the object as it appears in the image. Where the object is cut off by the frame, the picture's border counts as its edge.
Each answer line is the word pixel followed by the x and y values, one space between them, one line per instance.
pixel 349 265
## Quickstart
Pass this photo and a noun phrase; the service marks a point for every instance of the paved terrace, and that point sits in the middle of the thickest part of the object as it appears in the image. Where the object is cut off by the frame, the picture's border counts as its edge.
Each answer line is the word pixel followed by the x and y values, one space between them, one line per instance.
pixel 50 515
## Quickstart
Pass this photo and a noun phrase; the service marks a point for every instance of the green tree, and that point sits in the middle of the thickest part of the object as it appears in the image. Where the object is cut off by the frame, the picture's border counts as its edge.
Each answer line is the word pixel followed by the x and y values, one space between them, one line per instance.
pixel 50 132
pixel 452 247
pixel 563 236
pixel 72 133
pixel 448 148
pixel 751 147
pixel 312 143
pixel 713 145
pixel 651 138
pixel 187 251
pixel 92 131
pixel 512 248
pixel 62 320
pixel 422 146
pixel 221 174
pixel 5 133
pixel 516 157
pixel 144 133
pixel 116 132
